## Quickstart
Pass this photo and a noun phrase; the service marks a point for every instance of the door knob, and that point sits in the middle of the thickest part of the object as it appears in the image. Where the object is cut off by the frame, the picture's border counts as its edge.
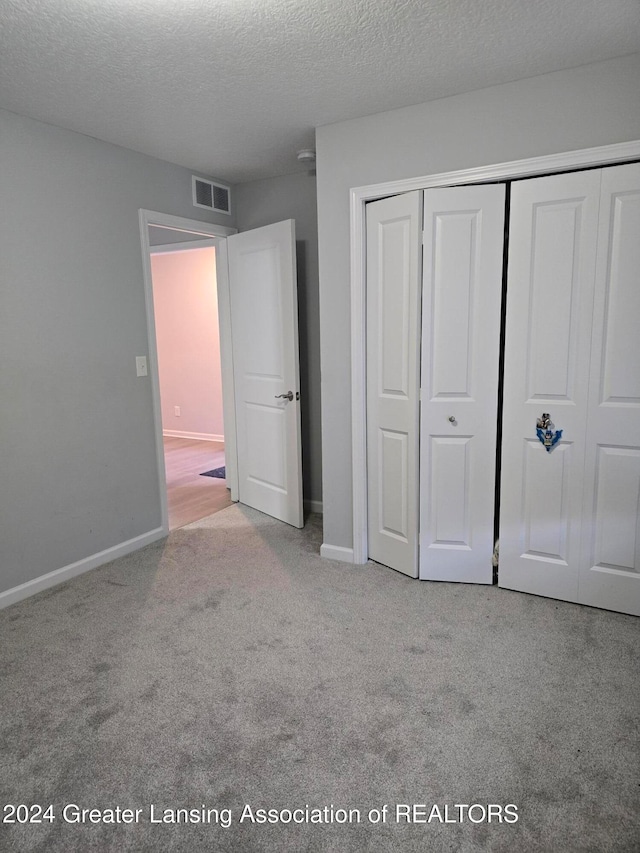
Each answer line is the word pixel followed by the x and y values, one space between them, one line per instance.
pixel 452 419
pixel 287 396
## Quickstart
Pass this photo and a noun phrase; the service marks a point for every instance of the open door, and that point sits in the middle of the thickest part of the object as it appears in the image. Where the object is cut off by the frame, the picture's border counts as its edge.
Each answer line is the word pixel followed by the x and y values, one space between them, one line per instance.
pixel 264 321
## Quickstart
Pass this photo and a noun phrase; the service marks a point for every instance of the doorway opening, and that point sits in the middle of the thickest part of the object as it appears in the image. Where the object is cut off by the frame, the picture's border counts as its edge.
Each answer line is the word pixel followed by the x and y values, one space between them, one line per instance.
pixel 190 365
pixel 185 301
pixel 259 362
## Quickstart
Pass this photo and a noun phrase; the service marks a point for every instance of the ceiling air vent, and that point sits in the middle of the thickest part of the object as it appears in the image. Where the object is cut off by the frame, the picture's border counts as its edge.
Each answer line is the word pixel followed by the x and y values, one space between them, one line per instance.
pixel 210 196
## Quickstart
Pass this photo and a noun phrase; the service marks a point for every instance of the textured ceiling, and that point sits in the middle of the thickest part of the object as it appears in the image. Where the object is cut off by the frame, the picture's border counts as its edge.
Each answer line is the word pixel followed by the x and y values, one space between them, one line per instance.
pixel 233 88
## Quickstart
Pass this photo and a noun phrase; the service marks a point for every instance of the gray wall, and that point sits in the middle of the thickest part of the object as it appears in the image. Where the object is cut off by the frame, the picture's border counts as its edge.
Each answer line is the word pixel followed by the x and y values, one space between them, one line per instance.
pixel 78 467
pixel 593 105
pixel 294 197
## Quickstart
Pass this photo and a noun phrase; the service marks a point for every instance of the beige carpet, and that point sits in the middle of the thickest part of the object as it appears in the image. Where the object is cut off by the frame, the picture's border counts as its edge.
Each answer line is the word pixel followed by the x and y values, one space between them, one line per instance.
pixel 231 666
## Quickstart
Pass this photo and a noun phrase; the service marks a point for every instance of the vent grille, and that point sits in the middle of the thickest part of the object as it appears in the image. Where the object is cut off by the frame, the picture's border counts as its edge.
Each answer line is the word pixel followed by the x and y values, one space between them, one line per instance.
pixel 220 198
pixel 211 196
pixel 204 194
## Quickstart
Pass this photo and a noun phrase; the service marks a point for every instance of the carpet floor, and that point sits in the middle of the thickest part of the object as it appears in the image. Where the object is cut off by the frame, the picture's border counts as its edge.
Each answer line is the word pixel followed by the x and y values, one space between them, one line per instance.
pixel 229 668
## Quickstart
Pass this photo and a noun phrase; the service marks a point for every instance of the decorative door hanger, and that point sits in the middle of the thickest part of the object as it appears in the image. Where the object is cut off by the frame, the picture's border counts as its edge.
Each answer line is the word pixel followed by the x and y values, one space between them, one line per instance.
pixel 545 431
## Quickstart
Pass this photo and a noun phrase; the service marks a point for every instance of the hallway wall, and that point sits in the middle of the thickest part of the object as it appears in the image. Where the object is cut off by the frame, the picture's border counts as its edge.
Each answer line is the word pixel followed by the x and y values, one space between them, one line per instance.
pixel 185 303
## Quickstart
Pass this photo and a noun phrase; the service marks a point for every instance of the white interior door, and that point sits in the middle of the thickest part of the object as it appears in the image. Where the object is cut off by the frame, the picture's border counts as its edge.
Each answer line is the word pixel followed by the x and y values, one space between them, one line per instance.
pixel 610 560
pixel 552 255
pixel 264 321
pixel 393 322
pixel 461 305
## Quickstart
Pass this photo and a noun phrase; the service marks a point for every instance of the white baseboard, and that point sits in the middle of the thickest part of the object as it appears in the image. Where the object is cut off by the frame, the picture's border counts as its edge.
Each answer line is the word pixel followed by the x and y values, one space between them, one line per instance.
pixel 17 593
pixel 196 436
pixel 313 506
pixel 337 552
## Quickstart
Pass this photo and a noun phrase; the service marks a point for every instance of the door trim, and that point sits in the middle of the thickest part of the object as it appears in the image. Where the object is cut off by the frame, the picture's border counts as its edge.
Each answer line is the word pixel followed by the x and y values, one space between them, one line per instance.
pixel 358 196
pixel 219 232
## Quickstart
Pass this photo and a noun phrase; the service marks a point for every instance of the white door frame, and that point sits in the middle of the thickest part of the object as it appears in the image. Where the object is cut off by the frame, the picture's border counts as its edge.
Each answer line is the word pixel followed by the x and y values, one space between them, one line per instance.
pixel 358 196
pixel 219 232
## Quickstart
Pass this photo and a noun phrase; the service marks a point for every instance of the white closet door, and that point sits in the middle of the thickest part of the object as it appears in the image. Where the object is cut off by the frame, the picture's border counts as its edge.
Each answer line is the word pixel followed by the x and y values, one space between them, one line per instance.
pixel 462 288
pixel 610 565
pixel 393 322
pixel 264 318
pixel 552 254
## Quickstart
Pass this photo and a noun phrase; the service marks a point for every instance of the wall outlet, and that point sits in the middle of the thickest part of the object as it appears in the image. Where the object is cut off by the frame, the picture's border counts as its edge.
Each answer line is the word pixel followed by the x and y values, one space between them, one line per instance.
pixel 141 365
pixel 176 411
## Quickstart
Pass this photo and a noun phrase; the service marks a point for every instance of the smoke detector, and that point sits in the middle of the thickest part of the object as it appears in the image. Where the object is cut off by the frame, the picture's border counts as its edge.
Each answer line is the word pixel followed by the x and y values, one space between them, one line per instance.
pixel 307 156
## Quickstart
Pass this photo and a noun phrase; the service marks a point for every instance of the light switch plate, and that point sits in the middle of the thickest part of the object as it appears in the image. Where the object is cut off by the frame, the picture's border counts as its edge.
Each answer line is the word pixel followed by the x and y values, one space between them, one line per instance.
pixel 141 365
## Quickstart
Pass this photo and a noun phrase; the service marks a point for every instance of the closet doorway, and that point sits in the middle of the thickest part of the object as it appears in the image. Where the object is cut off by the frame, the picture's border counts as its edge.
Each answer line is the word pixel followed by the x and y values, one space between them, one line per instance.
pixel 604 564
pixel 431 429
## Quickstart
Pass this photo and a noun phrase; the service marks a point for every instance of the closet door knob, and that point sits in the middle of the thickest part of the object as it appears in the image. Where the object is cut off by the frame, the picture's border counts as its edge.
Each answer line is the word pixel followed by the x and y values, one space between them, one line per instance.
pixel 452 419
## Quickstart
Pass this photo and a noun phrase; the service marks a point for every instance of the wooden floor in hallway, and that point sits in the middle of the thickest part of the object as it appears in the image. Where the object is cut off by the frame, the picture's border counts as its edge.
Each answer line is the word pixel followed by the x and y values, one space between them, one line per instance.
pixel 190 495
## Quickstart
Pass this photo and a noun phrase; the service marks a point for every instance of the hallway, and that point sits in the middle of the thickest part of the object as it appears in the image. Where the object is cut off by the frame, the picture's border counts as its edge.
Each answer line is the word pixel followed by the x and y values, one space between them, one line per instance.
pixel 191 496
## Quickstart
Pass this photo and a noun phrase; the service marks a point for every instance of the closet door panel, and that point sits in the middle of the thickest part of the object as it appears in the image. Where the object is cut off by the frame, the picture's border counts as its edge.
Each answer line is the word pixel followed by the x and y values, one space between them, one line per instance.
pixel 546 493
pixel 552 326
pixel 551 269
pixel 462 288
pixel 448 510
pixel 610 566
pixel 393 312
